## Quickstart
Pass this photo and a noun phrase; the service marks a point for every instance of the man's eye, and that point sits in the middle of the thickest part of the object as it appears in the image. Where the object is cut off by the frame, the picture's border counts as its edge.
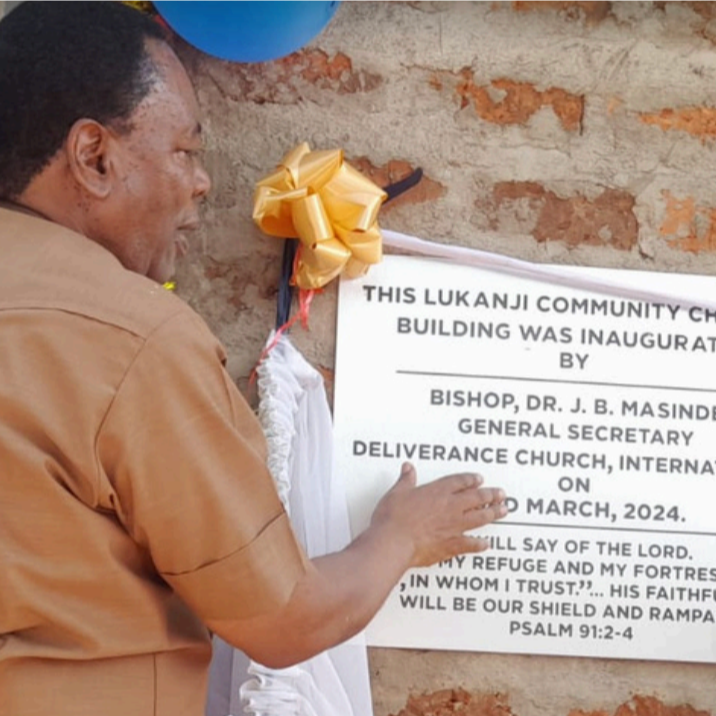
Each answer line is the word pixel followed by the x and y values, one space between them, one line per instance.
pixel 190 153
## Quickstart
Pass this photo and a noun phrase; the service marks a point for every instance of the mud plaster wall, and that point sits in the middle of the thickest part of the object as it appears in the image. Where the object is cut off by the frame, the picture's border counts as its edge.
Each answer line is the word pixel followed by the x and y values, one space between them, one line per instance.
pixel 563 132
pixel 575 133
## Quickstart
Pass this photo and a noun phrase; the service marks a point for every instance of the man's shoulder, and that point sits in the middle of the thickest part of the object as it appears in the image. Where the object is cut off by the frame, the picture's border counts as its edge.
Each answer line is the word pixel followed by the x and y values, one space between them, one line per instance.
pixel 48 267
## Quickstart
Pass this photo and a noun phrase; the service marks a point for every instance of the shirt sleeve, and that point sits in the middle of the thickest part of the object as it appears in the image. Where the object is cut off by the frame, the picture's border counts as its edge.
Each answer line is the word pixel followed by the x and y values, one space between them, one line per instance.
pixel 183 460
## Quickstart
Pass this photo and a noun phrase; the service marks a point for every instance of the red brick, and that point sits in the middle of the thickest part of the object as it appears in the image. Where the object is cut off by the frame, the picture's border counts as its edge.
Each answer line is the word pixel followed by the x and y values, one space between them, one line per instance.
pixel 283 81
pixel 456 701
pixel 519 101
pixel 590 11
pixel 688 226
pixel 645 706
pixel 607 220
pixel 396 169
pixel 707 10
pixel 698 121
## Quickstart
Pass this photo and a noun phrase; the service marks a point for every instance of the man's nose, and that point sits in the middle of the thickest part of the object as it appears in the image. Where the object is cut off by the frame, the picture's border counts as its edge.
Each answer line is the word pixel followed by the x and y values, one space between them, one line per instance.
pixel 202 182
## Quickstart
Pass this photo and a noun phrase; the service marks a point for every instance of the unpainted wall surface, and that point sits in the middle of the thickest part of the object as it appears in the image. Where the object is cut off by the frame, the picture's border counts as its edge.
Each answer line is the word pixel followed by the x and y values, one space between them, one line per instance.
pixel 562 132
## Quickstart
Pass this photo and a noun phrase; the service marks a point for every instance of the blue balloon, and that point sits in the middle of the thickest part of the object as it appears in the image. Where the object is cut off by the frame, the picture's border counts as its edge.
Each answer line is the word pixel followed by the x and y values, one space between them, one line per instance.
pixel 247 31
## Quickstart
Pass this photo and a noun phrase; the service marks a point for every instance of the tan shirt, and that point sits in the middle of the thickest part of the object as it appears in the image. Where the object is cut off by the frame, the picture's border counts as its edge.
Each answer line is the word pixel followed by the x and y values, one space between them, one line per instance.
pixel 134 498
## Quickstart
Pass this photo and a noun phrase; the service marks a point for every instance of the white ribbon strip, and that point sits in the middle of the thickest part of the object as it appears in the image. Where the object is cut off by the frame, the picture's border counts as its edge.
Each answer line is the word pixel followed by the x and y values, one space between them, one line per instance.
pixel 570 276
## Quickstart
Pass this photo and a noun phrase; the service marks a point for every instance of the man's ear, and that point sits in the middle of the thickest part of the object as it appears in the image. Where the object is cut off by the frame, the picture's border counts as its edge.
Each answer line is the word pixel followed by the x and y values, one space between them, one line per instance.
pixel 89 149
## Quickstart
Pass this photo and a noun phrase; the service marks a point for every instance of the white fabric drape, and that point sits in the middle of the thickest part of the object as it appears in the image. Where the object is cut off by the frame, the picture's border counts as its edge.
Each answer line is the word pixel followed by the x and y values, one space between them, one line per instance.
pixel 297 422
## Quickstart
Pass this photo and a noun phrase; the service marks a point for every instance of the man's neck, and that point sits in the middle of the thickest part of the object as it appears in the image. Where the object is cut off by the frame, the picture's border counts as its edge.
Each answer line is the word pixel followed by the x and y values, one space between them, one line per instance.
pixel 15 206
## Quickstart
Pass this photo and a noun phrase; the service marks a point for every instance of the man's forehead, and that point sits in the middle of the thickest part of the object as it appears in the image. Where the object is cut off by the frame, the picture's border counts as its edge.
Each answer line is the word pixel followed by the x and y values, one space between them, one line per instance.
pixel 167 64
pixel 173 89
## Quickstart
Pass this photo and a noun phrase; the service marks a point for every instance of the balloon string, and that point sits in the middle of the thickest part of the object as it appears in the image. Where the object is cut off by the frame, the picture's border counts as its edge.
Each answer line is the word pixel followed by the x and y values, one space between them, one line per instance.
pixel 305 298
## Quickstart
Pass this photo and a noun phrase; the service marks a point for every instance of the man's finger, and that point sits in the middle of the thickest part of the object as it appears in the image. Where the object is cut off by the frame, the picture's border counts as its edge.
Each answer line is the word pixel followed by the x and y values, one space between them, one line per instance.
pixel 407 478
pixel 467 500
pixel 473 519
pixel 466 543
pixel 458 482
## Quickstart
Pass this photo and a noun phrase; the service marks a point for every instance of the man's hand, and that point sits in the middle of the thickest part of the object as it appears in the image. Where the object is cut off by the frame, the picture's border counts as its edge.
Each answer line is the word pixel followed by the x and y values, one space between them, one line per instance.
pixel 432 519
pixel 341 592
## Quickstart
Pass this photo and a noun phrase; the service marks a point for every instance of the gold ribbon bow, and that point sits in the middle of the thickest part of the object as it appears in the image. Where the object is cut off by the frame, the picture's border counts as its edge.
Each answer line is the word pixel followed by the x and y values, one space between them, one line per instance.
pixel 329 206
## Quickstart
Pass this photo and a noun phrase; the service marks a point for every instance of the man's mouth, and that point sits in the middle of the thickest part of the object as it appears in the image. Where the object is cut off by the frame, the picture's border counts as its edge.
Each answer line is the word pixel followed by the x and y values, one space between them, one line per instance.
pixel 182 245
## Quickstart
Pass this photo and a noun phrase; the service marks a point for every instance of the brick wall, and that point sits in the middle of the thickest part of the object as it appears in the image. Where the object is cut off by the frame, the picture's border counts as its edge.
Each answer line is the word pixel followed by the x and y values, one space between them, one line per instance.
pixel 563 132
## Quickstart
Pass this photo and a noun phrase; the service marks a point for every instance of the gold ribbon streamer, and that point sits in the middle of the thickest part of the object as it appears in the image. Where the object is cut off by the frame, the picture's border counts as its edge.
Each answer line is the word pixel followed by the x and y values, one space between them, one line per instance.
pixel 329 206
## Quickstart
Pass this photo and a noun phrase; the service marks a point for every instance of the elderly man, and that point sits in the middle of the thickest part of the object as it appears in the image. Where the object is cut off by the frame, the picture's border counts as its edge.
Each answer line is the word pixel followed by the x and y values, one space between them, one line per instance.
pixel 136 512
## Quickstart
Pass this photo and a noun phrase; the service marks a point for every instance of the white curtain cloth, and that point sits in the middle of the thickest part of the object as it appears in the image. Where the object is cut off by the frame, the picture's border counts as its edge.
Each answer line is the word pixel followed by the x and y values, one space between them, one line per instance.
pixel 297 422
